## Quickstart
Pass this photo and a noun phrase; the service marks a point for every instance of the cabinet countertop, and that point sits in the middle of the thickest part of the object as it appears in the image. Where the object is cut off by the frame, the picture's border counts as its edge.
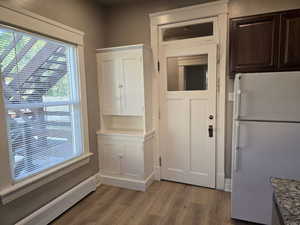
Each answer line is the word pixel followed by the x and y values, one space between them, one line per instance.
pixel 133 133
pixel 287 197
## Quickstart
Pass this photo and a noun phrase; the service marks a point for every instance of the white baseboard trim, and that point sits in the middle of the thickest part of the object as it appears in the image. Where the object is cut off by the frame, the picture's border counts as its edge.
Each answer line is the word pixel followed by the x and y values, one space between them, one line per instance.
pixel 53 209
pixel 220 181
pixel 133 184
pixel 157 175
pixel 149 180
pixel 227 185
pixel 98 179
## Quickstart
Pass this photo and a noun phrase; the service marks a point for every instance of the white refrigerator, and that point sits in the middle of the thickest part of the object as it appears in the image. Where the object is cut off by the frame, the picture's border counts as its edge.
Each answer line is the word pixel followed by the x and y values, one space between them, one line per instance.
pixel 266 140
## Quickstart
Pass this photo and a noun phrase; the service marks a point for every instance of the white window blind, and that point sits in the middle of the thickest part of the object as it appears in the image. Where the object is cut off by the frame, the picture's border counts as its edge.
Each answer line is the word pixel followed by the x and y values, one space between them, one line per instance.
pixel 41 96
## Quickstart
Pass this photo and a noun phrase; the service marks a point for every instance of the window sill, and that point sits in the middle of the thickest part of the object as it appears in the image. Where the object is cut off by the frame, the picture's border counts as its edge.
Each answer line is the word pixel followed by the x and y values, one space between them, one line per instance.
pixel 19 189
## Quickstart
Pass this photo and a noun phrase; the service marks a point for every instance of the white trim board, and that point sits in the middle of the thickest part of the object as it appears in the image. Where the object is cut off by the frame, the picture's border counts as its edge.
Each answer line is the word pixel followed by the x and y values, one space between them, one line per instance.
pixel 227 185
pixel 24 19
pixel 53 209
pixel 203 10
pixel 218 9
pixel 41 18
pixel 27 20
pixel 17 190
pixel 124 47
pixel 128 183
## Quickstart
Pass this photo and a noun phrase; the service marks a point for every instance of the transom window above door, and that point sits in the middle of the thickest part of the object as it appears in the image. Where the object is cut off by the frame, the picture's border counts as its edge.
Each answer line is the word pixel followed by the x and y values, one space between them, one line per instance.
pixel 41 96
pixel 188 31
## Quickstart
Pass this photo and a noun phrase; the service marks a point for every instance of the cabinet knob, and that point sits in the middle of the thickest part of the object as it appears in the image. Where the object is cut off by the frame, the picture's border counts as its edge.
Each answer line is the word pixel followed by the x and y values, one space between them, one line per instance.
pixel 120 86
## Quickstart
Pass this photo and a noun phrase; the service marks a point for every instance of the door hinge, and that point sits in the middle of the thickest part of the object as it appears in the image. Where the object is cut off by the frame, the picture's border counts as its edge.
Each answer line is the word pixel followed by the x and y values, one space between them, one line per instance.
pixel 158 66
pixel 160 164
pixel 159 114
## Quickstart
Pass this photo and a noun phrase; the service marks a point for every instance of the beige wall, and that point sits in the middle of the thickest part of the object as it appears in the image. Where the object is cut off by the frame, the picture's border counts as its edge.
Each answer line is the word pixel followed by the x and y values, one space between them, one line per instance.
pixel 129 24
pixel 123 25
pixel 85 15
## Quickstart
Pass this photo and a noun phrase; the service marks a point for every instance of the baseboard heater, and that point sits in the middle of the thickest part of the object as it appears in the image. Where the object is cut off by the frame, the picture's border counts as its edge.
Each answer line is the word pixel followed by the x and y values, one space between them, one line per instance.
pixel 52 210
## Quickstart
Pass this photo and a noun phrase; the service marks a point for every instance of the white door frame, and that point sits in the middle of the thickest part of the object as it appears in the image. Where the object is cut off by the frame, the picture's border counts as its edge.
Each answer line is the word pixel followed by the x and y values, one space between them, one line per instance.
pixel 218 10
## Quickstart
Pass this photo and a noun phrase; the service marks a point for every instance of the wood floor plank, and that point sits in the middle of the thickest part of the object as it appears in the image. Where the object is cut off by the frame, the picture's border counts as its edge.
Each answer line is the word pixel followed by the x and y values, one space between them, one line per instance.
pixel 150 220
pixel 134 212
pixel 98 210
pixel 176 207
pixel 164 203
pixel 164 195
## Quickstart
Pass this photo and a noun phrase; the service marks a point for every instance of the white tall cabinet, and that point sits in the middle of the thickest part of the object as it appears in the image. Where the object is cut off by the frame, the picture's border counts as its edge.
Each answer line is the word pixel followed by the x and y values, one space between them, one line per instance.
pixel 125 141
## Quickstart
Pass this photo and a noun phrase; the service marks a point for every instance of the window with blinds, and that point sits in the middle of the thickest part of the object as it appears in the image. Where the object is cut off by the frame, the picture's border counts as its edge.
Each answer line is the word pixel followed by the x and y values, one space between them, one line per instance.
pixel 41 95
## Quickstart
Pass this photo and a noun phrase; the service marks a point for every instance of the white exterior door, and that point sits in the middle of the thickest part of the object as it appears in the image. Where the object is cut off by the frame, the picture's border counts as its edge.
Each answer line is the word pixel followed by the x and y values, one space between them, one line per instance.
pixel 188 112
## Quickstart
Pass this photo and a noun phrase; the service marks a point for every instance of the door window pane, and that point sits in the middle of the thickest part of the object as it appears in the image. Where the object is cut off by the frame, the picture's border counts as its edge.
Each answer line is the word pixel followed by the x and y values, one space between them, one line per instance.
pixel 187 73
pixel 190 31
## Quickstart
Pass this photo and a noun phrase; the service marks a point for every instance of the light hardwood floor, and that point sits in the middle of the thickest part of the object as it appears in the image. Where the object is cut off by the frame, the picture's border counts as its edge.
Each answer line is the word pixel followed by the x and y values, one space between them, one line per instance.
pixel 164 203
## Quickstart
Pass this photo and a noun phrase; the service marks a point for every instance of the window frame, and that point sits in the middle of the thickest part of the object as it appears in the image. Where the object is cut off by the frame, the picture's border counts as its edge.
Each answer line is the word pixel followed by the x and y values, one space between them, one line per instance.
pixel 32 23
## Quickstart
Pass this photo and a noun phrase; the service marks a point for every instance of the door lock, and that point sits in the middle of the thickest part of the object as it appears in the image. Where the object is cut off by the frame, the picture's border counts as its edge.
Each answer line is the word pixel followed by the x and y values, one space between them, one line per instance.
pixel 210 131
pixel 211 117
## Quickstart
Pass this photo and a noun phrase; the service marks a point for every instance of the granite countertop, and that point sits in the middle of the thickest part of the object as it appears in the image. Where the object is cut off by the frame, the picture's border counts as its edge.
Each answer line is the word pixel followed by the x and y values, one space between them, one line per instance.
pixel 287 197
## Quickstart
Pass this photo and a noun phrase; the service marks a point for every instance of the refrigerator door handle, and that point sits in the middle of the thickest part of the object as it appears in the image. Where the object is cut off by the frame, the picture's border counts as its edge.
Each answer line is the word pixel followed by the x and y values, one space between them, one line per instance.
pixel 236 161
pixel 236 147
pixel 237 96
pixel 238 104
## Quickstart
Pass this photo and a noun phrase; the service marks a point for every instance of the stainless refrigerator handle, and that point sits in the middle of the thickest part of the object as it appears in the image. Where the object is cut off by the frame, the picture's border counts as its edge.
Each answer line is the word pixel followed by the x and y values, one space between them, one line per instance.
pixel 238 104
pixel 236 147
pixel 237 96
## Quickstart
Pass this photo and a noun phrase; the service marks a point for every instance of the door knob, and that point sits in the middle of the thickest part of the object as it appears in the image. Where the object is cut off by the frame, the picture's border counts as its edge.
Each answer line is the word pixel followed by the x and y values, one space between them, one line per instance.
pixel 210 131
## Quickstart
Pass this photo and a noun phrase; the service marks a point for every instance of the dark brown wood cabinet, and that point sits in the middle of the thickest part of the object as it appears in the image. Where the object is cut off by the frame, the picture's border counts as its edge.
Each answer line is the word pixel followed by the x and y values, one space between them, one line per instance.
pixel 265 43
pixel 290 41
pixel 254 43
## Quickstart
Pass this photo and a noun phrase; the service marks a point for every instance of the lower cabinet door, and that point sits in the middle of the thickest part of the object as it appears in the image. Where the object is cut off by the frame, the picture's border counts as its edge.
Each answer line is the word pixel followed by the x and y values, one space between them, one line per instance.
pixel 276 220
pixel 111 158
pixel 132 160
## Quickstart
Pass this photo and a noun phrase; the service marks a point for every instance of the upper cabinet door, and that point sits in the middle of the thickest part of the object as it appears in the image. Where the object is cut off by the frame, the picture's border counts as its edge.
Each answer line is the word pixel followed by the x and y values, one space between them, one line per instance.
pixel 111 94
pixel 254 44
pixel 290 41
pixel 132 84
